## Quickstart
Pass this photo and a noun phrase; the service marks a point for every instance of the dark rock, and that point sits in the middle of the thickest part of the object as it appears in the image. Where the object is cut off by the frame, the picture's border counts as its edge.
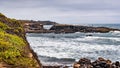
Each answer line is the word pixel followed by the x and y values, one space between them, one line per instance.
pixel 65 67
pixel 51 66
pixel 101 59
pixel 63 28
pixel 99 63
pixel 102 64
pixel 89 35
pixel 36 27
pixel 108 61
pixel 84 61
pixel 117 63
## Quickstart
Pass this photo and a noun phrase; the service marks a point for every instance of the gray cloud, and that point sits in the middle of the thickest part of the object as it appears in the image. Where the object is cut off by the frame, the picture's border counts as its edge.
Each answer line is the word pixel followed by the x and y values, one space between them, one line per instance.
pixel 63 11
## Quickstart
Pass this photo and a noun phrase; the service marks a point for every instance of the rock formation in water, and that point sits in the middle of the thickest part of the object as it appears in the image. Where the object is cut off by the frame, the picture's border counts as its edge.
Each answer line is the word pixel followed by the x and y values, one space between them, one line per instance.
pixel 15 51
pixel 36 26
pixel 61 28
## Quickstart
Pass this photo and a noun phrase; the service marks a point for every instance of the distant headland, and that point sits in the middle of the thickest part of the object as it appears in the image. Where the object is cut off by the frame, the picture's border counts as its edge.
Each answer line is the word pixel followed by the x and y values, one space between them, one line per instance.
pixel 31 26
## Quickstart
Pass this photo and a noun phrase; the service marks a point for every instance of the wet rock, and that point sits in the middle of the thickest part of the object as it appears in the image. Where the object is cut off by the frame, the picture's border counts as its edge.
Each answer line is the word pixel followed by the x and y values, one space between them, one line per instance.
pixel 117 63
pixel 108 61
pixel 51 66
pixel 63 28
pixel 89 35
pixel 99 63
pixel 65 67
pixel 84 61
pixel 76 65
pixel 101 59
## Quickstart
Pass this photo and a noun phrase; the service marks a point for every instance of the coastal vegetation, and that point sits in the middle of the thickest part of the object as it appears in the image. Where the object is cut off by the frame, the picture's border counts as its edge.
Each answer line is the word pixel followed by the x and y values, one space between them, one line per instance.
pixel 14 49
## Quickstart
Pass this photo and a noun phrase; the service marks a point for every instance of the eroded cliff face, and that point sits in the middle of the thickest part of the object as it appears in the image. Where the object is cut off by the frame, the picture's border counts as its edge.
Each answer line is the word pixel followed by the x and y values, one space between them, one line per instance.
pixel 15 51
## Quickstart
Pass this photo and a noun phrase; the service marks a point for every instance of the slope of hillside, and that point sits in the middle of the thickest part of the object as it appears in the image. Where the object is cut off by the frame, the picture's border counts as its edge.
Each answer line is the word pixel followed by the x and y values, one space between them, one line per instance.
pixel 15 51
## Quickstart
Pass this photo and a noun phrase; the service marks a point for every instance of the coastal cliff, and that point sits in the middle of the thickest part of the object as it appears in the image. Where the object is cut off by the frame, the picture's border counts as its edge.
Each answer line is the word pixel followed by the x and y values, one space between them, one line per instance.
pixel 15 51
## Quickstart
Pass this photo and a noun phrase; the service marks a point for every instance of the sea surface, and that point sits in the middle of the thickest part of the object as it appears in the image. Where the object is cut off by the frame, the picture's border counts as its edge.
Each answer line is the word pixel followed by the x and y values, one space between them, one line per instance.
pixel 67 48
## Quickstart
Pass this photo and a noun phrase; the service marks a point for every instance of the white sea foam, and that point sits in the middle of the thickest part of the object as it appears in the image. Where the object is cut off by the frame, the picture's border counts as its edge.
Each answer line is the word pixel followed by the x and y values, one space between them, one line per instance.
pixel 76 47
pixel 116 33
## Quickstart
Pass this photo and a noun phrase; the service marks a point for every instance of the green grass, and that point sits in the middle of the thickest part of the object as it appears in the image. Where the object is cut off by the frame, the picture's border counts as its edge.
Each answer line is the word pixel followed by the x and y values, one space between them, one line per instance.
pixel 12 49
pixel 13 46
pixel 3 26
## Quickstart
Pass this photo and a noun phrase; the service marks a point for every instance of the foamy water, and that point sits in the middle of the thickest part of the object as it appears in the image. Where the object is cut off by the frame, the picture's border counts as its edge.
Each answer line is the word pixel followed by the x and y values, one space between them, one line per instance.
pixel 64 48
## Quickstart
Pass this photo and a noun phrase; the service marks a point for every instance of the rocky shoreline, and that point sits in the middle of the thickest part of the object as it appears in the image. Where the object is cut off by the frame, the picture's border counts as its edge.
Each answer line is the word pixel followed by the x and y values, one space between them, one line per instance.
pixel 87 63
pixel 80 28
pixel 65 28
pixel 99 63
pixel 83 62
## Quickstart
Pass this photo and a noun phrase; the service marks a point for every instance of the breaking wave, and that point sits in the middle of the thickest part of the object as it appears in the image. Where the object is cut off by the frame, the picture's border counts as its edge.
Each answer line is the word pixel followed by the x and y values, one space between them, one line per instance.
pixel 58 47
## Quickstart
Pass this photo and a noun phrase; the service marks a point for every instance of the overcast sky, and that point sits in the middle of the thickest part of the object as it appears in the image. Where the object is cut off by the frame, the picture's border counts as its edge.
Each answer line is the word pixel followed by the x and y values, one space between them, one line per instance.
pixel 63 11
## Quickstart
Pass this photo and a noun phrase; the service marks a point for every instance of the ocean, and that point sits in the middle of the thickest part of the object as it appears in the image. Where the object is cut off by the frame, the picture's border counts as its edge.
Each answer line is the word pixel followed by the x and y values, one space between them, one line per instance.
pixel 64 49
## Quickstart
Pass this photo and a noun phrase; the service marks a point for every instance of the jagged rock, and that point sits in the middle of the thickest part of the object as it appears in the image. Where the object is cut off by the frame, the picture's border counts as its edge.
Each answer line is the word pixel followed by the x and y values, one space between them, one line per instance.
pixel 76 65
pixel 61 28
pixel 89 35
pixel 117 63
pixel 84 61
pixel 99 63
pixel 101 59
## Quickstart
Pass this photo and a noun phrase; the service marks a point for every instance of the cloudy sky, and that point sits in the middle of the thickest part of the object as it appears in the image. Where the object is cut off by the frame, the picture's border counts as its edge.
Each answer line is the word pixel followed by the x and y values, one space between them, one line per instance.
pixel 63 11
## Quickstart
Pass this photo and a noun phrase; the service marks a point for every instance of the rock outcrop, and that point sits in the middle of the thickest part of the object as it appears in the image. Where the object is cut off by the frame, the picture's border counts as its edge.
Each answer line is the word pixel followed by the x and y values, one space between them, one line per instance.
pixel 61 28
pixel 99 63
pixel 33 27
pixel 15 51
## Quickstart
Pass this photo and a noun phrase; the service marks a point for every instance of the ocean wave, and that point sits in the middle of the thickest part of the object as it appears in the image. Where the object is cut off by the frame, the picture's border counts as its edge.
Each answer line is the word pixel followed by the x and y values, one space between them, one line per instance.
pixel 76 45
pixel 67 50
pixel 116 33
pixel 103 38
pixel 49 59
